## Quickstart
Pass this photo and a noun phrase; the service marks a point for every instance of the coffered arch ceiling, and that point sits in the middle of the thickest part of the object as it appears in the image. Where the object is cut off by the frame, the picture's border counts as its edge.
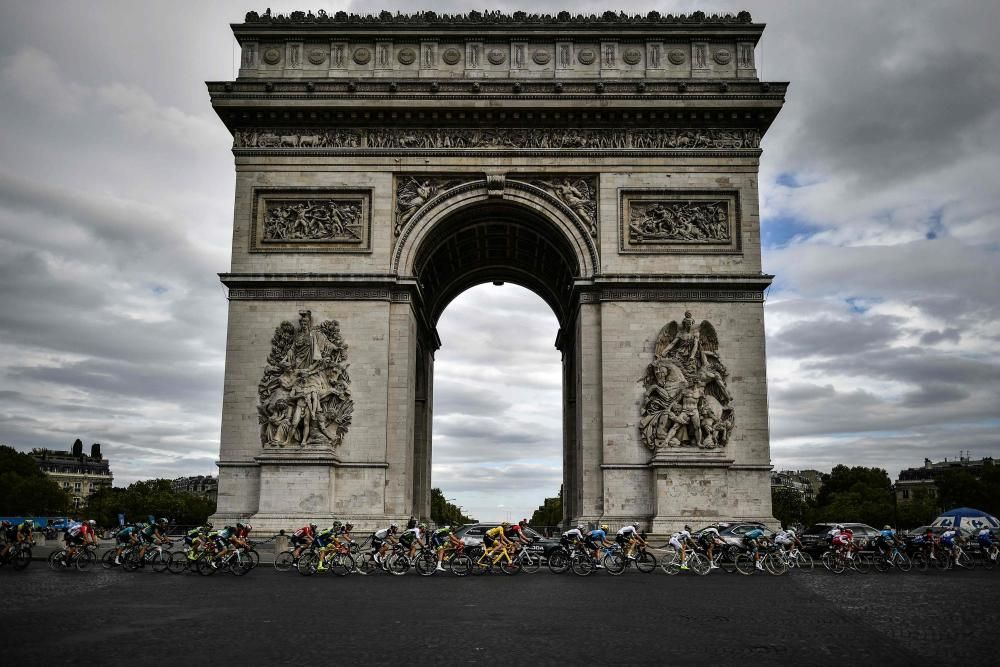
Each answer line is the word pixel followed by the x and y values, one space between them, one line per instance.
pixel 496 242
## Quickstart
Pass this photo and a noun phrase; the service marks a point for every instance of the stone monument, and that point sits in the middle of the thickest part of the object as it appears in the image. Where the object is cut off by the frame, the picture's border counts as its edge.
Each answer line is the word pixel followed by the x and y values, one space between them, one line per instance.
pixel 385 163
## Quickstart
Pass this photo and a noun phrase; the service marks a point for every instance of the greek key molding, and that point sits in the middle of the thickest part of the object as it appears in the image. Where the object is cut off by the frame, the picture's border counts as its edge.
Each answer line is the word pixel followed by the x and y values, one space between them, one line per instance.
pixel 315 294
pixel 670 295
pixel 295 204
pixel 671 202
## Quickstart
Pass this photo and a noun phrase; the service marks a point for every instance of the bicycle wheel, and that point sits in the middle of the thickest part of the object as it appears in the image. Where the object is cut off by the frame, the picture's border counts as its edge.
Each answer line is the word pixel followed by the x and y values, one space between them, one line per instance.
pixel 308 562
pixel 460 565
pixel 670 563
pixel 85 559
pixel 804 561
pixel 989 562
pixel 614 562
pixel 365 564
pixel 529 563
pixel 645 562
pixel 284 561
pixel 239 564
pixel 699 564
pixel 481 566
pixel 426 564
pixel 178 562
pixel 558 561
pixel 55 559
pixel 745 564
pixel 397 564
pixel 963 561
pixel 881 563
pixel 160 561
pixel 582 565
pixel 828 560
pixel 21 558
pixel 774 564
pixel 108 559
pixel 252 557
pixel 727 560
pixel 204 565
pixel 510 567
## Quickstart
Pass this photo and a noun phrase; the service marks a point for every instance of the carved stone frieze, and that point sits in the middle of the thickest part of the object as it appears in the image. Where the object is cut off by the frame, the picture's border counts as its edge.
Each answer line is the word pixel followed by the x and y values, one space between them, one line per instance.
pixel 677 57
pixel 704 221
pixel 578 192
pixel 304 396
pixel 414 191
pixel 495 18
pixel 687 403
pixel 451 56
pixel 407 56
pixel 632 56
pixel 685 221
pixel 500 138
pixel 362 56
pixel 313 220
pixel 308 220
pixel 586 56
pixel 722 56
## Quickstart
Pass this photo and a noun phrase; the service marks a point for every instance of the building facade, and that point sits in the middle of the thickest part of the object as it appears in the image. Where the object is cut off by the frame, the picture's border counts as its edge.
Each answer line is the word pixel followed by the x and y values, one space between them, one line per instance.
pixel 921 482
pixel 78 474
pixel 806 483
pixel 199 485
pixel 386 163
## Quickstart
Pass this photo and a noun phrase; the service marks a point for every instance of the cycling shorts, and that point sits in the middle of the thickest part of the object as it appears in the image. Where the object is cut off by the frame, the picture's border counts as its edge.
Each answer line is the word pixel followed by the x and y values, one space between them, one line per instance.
pixel 377 543
pixel 985 541
pixel 438 540
pixel 675 543
pixel 321 541
pixel 299 540
pixel 73 539
pixel 488 541
pixel 948 541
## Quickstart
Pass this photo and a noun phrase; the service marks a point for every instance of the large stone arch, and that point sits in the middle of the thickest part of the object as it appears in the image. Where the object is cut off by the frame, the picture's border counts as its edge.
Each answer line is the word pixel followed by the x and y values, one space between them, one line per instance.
pixel 609 165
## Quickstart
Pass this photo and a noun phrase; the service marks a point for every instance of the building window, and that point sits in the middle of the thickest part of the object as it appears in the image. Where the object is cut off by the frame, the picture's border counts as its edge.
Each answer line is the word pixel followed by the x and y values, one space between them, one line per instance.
pixel 76 487
pixel 906 493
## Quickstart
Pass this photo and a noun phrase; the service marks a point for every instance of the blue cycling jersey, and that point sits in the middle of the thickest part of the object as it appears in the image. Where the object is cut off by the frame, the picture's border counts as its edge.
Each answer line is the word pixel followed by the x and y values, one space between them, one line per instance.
pixel 754 534
pixel 888 534
pixel 598 535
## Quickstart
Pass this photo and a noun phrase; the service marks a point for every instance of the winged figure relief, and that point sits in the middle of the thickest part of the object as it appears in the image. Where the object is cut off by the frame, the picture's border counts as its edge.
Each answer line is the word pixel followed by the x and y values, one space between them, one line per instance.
pixel 414 192
pixel 687 402
pixel 579 194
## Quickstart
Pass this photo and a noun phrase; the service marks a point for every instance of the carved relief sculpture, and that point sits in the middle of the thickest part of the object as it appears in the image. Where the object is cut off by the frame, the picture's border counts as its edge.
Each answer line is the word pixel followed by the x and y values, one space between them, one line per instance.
pixel 313 220
pixel 338 56
pixel 654 56
pixel 412 192
pixel 686 403
pixel 746 56
pixel 500 138
pixel 249 55
pixel 579 193
pixel 564 53
pixel 701 221
pixel 304 396
pixel 452 56
pixel 700 59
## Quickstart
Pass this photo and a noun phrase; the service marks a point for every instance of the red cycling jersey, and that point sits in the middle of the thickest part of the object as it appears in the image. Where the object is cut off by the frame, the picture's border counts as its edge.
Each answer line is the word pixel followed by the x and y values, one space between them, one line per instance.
pixel 305 531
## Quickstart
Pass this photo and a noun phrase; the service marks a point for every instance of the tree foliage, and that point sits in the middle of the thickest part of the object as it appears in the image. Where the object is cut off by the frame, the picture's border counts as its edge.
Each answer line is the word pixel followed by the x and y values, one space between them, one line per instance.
pixel 154 497
pixel 444 513
pixel 960 488
pixel 25 490
pixel 550 513
pixel 788 506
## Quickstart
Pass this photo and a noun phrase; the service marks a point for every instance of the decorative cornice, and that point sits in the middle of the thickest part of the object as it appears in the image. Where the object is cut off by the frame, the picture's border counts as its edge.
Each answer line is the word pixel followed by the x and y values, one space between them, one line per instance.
pixel 429 18
pixel 671 295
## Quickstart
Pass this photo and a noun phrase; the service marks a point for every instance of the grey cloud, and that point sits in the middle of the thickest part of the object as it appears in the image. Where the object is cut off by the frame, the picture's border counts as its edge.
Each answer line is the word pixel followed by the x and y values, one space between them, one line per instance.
pixel 934 396
pixel 950 334
pixel 826 337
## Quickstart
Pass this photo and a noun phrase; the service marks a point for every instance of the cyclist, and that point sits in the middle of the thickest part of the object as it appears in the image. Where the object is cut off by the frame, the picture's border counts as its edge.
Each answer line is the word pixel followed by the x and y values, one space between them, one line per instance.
pixel 412 538
pixel 301 539
pixel 843 542
pixel 985 539
pixel 597 539
pixel 125 537
pixel 628 538
pixel 7 535
pixel 572 537
pixel 444 539
pixel 383 539
pixel 221 539
pixel 679 540
pixel 80 534
pixel 709 539
pixel 152 533
pixel 886 540
pixel 324 540
pixel 241 540
pixel 19 534
pixel 517 534
pixel 495 537
pixel 950 539
pixel 785 539
pixel 344 535
pixel 194 538
pixel 752 540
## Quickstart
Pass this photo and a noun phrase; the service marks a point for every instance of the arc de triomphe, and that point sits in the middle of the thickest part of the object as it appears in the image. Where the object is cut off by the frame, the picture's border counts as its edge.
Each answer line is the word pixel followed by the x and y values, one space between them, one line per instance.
pixel 384 164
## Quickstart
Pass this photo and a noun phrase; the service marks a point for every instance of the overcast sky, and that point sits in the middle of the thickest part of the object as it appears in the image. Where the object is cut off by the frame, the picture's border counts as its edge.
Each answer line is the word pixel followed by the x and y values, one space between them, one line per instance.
pixel 881 220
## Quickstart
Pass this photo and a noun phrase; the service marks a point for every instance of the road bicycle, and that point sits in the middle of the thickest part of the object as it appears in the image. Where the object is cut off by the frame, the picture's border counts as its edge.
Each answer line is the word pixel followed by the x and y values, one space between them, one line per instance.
pixel 19 556
pixel 498 557
pixel 235 562
pixel 286 560
pixel 561 558
pixel 530 563
pixel 696 562
pixel 335 558
pixel 956 557
pixel 987 556
pixel 641 558
pixel 771 562
pixel 609 558
pixel 82 559
pixel 158 557
pixel 896 559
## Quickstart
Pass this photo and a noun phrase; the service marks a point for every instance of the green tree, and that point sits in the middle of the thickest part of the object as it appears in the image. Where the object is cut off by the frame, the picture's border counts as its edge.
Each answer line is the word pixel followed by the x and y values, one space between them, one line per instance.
pixel 154 497
pixel 920 510
pixel 444 513
pixel 788 505
pixel 549 513
pixel 856 494
pixel 25 490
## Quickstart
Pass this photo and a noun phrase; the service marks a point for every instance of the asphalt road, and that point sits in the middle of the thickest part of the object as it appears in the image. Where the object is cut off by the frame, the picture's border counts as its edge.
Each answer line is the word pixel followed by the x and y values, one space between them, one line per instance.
pixel 113 617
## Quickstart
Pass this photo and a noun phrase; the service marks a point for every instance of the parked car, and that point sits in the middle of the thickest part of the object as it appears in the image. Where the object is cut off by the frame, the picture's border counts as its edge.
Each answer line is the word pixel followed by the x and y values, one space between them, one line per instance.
pixel 472 535
pixel 937 530
pixel 732 533
pixel 815 541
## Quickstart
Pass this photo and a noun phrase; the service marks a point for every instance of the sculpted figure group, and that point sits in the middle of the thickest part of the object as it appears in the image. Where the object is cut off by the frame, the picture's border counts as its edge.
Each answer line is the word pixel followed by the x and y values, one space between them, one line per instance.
pixel 679 221
pixel 313 220
pixel 304 396
pixel 687 402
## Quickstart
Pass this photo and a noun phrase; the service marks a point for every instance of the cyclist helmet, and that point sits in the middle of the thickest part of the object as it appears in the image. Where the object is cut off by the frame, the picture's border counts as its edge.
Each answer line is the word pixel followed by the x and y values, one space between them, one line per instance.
pixel 886 527
pixel 29 523
pixel 422 526
pixel 163 521
pixel 92 522
pixel 604 527
pixel 839 526
pixel 5 524
pixel 348 526
pixel 393 527
pixel 687 528
pixel 209 526
pixel 248 527
pixel 791 531
pixel 336 524
pixel 505 524
pixel 313 527
pixel 580 527
pixel 523 522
